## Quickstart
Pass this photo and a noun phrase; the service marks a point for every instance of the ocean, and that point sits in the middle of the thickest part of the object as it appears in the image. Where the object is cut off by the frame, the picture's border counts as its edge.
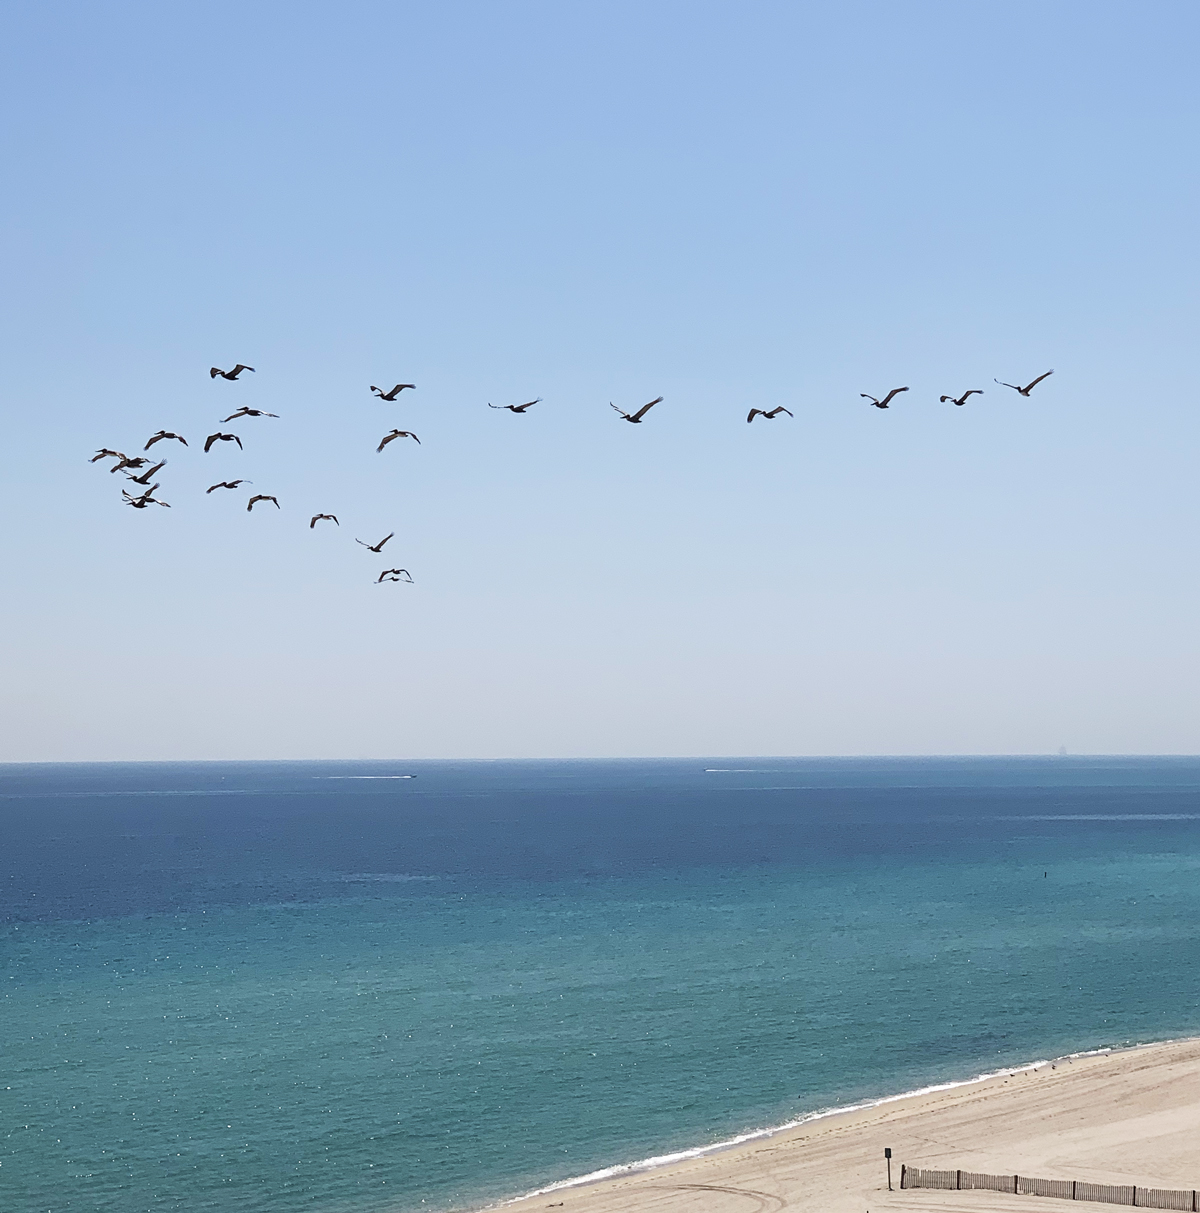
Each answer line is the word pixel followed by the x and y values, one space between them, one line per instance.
pixel 389 986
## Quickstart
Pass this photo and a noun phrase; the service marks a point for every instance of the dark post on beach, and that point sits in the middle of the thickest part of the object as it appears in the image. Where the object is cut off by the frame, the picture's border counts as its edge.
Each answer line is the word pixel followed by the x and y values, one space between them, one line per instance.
pixel 887 1153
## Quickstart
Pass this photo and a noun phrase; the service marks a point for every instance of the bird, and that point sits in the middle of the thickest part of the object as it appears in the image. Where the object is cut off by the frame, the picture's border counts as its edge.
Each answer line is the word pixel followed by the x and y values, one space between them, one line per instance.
pixel 515 408
pixel 245 412
pixel 396 434
pixel 222 438
pixel 164 434
pixel 882 404
pixel 260 497
pixel 226 484
pixel 376 547
pixel 105 453
pixel 147 498
pixel 214 371
pixel 147 475
pixel 317 518
pixel 1028 387
pixel 394 575
pixel 770 416
pixel 975 391
pixel 636 418
pixel 138 461
pixel 393 393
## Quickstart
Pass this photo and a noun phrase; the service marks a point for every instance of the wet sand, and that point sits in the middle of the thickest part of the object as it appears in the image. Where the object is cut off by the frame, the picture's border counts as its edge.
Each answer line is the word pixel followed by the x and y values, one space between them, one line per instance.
pixel 1125 1117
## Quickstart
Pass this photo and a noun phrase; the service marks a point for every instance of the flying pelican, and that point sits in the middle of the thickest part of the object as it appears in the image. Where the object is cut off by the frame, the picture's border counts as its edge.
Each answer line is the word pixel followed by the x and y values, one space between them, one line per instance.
pixel 318 517
pixel 147 498
pixel 394 575
pixel 636 418
pixel 261 497
pixel 882 404
pixel 226 484
pixel 515 408
pixel 147 475
pixel 138 461
pixel 393 393
pixel 396 434
pixel 222 438
pixel 963 398
pixel 105 453
pixel 164 434
pixel 770 416
pixel 245 412
pixel 1028 387
pixel 237 370
pixel 376 547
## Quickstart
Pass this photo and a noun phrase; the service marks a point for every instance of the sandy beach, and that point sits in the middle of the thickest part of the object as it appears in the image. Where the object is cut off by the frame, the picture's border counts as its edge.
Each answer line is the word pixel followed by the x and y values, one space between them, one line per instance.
pixel 1125 1117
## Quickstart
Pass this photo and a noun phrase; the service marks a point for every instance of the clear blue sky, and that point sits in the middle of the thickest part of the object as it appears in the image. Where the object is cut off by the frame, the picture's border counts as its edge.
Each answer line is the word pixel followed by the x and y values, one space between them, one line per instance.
pixel 724 204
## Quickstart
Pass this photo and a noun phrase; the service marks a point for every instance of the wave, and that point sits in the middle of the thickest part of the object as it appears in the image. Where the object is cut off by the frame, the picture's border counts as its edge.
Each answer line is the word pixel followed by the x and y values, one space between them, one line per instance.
pixel 364 777
pixel 665 1160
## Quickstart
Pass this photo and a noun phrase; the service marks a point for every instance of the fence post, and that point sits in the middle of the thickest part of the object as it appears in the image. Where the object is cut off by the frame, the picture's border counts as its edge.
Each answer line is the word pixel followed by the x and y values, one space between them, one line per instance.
pixel 903 1169
pixel 1134 1200
pixel 1072 1189
pixel 958 1182
pixel 1015 1179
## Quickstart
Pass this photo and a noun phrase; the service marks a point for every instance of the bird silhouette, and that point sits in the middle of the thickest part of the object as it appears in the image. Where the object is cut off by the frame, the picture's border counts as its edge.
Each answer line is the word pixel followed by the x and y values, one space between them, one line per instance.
pixel 396 434
pixel 138 461
pixel 147 475
pixel 245 412
pixel 147 498
pixel 261 497
pixel 393 393
pixel 226 484
pixel 318 517
pixel 213 372
pixel 963 398
pixel 636 418
pixel 882 404
pixel 770 416
pixel 1028 387
pixel 394 575
pixel 222 438
pixel 105 453
pixel 376 547
pixel 515 408
pixel 164 434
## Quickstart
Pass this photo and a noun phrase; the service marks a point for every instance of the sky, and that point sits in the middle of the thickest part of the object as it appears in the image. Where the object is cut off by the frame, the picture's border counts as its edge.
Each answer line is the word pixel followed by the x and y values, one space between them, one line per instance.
pixel 728 205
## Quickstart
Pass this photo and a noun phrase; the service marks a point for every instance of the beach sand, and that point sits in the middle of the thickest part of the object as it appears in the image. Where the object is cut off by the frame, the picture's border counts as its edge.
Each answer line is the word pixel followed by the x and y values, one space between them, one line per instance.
pixel 1130 1116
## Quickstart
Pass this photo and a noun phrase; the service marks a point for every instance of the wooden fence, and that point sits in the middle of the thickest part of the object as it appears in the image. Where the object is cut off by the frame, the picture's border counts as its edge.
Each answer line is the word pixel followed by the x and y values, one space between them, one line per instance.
pixel 1063 1189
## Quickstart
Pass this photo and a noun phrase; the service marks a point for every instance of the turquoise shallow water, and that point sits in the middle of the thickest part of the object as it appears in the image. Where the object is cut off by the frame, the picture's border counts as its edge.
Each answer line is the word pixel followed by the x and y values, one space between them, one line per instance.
pixel 273 987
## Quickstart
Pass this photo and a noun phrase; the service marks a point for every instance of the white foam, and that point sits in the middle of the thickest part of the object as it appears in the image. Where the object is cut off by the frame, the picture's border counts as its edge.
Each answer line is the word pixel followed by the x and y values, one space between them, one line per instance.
pixel 664 1160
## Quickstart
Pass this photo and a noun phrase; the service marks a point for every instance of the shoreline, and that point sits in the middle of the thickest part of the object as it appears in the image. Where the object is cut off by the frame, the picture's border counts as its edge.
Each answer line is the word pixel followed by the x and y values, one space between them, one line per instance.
pixel 824 1120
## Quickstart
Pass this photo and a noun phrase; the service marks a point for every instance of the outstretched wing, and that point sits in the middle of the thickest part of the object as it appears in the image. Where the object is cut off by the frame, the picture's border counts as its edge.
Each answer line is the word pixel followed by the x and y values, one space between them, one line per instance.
pixel 209 441
pixel 752 414
pixel 214 372
pixel 780 409
pixel 975 391
pixel 241 366
pixel 894 392
pixel 870 398
pixel 386 440
pixel 234 416
pixel 1014 387
pixel 1037 381
pixel 646 408
pixel 157 438
pixel 237 440
pixel 621 411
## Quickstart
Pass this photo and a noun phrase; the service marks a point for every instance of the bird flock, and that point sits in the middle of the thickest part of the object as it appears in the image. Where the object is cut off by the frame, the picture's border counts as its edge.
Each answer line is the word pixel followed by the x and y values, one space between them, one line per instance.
pixel 132 466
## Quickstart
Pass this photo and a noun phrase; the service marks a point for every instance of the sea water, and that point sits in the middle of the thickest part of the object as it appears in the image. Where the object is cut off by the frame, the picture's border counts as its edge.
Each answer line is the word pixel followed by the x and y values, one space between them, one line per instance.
pixel 431 985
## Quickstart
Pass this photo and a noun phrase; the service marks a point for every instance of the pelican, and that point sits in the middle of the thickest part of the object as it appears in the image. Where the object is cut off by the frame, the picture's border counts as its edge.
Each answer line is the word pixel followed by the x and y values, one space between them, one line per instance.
pixel 1028 387
pixel 319 517
pixel 213 372
pixel 245 412
pixel 636 418
pixel 226 484
pixel 376 547
pixel 770 416
pixel 393 393
pixel 221 438
pixel 138 461
pixel 394 575
pixel 963 398
pixel 515 408
pixel 147 498
pixel 882 404
pixel 164 434
pixel 147 475
pixel 261 497
pixel 105 453
pixel 396 434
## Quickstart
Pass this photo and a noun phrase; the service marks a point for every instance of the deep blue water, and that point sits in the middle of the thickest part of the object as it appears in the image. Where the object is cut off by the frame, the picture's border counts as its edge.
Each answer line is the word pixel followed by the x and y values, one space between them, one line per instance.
pixel 282 986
